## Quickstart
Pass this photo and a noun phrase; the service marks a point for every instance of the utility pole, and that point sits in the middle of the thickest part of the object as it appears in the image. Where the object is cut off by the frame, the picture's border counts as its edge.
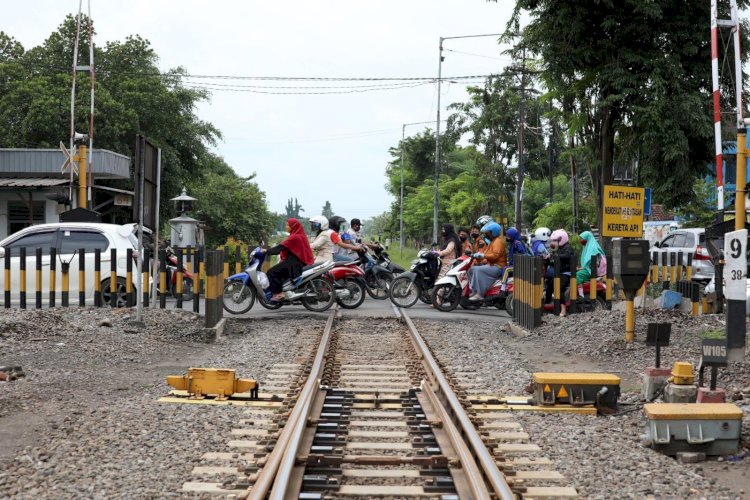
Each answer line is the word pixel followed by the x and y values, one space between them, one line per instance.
pixel 551 159
pixel 435 232
pixel 521 133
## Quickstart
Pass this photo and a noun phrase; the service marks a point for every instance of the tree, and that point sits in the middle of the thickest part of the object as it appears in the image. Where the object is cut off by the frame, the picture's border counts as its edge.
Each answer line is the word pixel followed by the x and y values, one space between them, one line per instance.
pixel 293 209
pixel 631 75
pixel 702 212
pixel 231 206
pixel 327 210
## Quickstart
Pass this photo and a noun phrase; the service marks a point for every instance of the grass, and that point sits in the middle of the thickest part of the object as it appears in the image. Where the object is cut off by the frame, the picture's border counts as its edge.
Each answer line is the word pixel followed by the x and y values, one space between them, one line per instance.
pixel 717 333
pixel 394 252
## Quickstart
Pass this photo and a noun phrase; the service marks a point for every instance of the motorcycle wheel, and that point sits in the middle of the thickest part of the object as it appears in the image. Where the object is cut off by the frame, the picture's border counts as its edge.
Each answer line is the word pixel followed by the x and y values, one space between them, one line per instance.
pixel 446 297
pixel 379 288
pixel 509 304
pixel 187 289
pixel 404 292
pixel 356 294
pixel 320 295
pixel 237 298
pixel 426 297
pixel 470 305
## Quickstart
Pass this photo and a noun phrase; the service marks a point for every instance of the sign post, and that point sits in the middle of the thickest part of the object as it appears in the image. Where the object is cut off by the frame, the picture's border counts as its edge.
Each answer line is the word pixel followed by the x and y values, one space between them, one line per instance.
pixel 713 355
pixel 735 286
pixel 623 211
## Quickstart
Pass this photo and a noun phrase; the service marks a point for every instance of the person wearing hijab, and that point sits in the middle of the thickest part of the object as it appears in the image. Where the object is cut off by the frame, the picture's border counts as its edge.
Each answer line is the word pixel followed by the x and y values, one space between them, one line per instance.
pixel 514 244
pixel 450 250
pixel 560 247
pixel 590 248
pixel 294 252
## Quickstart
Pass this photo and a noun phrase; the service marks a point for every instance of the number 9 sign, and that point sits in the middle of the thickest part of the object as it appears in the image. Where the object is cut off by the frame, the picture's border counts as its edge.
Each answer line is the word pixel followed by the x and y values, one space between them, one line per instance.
pixel 735 267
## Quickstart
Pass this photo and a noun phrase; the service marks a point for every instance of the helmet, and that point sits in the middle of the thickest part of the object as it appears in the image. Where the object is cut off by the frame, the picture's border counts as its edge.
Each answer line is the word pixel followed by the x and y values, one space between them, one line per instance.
pixel 513 234
pixel 318 223
pixel 559 236
pixel 542 234
pixel 491 227
pixel 484 219
pixel 335 222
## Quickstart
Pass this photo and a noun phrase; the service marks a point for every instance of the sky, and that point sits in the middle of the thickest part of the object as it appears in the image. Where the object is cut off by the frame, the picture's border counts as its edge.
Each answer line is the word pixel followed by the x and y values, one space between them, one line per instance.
pixel 313 147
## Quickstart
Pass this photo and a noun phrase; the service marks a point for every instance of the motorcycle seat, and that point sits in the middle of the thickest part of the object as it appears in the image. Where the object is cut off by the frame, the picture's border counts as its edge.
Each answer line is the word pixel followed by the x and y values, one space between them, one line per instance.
pixel 345 264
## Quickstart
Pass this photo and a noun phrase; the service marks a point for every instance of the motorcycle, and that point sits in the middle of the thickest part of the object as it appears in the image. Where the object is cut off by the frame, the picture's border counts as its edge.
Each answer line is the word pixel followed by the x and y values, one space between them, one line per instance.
pixel 314 289
pixel 453 289
pixel 383 260
pixel 377 279
pixel 349 281
pixel 187 278
pixel 416 284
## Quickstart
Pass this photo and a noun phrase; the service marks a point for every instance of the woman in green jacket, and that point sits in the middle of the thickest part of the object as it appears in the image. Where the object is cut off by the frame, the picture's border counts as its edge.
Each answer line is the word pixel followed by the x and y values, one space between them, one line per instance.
pixel 590 248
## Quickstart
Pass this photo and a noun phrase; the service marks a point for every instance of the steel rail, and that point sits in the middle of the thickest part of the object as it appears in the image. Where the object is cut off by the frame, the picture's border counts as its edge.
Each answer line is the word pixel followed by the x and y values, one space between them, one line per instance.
pixel 277 471
pixel 475 479
pixel 494 477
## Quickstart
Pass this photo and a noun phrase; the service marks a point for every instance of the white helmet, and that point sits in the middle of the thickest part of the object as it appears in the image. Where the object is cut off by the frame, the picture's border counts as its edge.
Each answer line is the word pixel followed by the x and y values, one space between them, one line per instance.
pixel 484 219
pixel 319 223
pixel 542 234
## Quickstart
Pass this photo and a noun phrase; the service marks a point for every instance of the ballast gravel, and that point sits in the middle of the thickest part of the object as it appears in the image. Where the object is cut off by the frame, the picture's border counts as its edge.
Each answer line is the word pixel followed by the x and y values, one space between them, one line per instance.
pixel 85 421
pixel 603 457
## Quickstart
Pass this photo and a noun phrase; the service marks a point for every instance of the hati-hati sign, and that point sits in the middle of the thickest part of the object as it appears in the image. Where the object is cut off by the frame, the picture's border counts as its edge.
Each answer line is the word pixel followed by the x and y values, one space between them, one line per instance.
pixel 623 211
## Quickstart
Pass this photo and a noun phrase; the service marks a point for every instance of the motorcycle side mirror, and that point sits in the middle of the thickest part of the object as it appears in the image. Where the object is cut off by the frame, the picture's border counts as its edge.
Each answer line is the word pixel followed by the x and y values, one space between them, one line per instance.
pixel 434 244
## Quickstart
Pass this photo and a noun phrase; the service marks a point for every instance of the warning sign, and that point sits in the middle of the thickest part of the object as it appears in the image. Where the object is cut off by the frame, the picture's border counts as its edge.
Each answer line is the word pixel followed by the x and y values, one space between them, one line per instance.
pixel 623 211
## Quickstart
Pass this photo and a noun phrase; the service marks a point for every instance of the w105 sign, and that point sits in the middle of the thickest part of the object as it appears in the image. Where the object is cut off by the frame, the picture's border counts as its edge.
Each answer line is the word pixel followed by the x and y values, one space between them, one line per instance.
pixel 735 265
pixel 714 352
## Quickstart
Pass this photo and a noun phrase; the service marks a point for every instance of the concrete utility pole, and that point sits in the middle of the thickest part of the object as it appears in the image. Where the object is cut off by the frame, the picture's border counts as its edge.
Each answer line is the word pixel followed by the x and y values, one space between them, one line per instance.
pixel 551 159
pixel 435 232
pixel 521 134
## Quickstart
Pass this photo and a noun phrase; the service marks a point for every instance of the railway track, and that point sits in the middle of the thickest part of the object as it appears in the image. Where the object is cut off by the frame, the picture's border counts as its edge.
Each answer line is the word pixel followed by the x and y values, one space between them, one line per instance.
pixel 371 413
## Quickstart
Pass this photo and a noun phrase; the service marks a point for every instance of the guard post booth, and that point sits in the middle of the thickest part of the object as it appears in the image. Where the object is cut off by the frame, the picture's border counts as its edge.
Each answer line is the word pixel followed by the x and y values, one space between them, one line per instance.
pixel 630 267
pixel 185 231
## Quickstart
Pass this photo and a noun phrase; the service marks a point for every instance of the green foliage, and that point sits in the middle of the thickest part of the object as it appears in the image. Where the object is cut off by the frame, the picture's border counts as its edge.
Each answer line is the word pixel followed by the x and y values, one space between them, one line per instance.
pixel 231 245
pixel 718 333
pixel 327 210
pixel 702 212
pixel 536 194
pixel 560 214
pixel 293 209
pixel 133 96
pixel 237 207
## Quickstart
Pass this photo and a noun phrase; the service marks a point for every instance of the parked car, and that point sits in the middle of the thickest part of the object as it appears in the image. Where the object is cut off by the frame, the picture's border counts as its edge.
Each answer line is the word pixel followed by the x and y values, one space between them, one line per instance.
pixel 67 239
pixel 688 241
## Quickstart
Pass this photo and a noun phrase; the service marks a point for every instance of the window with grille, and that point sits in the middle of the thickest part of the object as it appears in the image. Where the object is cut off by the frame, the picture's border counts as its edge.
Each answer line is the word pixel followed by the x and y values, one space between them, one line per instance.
pixel 19 215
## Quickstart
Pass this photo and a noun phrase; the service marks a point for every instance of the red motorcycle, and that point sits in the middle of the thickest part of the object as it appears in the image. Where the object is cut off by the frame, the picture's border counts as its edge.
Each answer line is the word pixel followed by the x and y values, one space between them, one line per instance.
pixel 187 277
pixel 349 282
pixel 453 289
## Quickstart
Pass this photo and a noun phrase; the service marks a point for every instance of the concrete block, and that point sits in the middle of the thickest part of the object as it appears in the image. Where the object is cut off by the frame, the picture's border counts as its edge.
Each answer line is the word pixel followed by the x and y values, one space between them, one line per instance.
pixel 680 393
pixel 706 395
pixel 653 381
pixel 689 457
pixel 686 306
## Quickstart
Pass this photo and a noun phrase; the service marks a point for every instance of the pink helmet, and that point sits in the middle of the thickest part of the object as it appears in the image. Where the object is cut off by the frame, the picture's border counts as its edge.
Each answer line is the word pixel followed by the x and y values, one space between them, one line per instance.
pixel 559 236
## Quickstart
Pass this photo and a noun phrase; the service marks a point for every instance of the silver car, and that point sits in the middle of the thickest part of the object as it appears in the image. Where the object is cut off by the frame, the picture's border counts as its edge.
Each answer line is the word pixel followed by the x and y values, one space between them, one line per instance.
pixel 688 241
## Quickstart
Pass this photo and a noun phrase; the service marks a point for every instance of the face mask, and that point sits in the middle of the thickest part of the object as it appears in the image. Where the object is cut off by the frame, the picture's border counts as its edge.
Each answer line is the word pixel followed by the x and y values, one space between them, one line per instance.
pixel 444 233
pixel 462 238
pixel 583 243
pixel 475 235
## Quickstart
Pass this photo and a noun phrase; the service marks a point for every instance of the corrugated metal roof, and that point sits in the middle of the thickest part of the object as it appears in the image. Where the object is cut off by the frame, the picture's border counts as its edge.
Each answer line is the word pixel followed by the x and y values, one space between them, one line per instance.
pixel 47 162
pixel 28 182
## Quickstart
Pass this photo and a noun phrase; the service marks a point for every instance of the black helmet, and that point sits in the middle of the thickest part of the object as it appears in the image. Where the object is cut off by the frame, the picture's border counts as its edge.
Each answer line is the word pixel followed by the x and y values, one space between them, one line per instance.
pixel 335 222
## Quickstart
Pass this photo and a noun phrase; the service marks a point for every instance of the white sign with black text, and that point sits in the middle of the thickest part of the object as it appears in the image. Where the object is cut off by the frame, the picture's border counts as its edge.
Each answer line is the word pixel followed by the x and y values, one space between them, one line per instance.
pixel 735 265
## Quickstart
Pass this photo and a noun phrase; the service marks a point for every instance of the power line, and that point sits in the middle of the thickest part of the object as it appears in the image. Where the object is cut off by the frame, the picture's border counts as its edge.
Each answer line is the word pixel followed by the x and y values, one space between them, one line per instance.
pixel 208 86
pixel 479 55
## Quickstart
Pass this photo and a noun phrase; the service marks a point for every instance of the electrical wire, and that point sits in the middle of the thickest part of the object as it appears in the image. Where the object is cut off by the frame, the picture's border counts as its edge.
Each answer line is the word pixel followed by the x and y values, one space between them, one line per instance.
pixel 508 59
pixel 208 86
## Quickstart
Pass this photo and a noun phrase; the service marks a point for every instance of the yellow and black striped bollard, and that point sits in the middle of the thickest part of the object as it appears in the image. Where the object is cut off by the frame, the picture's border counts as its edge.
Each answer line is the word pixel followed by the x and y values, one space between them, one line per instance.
pixel 82 277
pixel 557 286
pixel 178 277
pixel 654 267
pixel 65 268
pixel 689 272
pixel 38 278
pixel 237 260
pixel 573 284
pixel 52 276
pixel 214 282
pixel 594 265
pixel 98 277
pixel 129 277
pixel 6 275
pixel 196 280
pixel 610 282
pixel 664 272
pixel 673 268
pixel 23 277
pixel 146 275
pixel 113 278
pixel 162 279
pixel 226 262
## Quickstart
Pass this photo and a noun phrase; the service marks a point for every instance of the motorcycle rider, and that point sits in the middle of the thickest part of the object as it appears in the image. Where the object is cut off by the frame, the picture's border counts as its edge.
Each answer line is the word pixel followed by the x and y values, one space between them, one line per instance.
pixel 477 240
pixel 561 248
pixel 590 249
pixel 342 248
pixel 539 245
pixel 294 252
pixel 493 259
pixel 450 249
pixel 515 246
pixel 463 236
pixel 325 239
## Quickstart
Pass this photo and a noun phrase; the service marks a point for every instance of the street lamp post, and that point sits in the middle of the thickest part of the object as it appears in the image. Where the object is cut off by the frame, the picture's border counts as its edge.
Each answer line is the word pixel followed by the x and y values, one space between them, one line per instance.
pixel 437 126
